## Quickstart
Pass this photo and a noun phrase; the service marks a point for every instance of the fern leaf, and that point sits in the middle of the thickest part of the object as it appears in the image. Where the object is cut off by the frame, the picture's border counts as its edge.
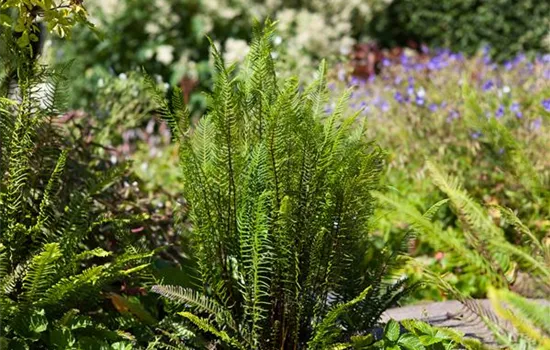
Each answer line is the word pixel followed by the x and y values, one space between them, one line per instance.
pixel 206 326
pixel 198 302
pixel 41 272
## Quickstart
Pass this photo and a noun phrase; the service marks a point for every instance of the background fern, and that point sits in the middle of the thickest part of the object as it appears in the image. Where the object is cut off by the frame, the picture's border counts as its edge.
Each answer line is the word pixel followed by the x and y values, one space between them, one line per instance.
pixel 50 269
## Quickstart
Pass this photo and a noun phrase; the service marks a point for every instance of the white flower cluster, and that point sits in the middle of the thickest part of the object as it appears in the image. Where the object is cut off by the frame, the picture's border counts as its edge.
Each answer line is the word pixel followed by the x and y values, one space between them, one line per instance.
pixel 319 28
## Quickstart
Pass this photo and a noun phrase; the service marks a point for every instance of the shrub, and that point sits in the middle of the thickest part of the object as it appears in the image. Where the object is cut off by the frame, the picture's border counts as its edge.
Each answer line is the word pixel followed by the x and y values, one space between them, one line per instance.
pixel 507 26
pixel 280 198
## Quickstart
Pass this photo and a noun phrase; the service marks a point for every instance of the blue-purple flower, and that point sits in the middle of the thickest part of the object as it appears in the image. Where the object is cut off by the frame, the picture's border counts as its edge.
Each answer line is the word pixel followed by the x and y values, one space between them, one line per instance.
pixel 546 104
pixel 500 112
pixel 398 97
pixel 536 124
pixel 516 109
pixel 488 85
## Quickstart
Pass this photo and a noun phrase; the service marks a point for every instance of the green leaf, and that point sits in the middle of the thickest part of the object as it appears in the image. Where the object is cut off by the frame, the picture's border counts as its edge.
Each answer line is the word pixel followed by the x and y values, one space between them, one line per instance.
pixel 392 330
pixel 122 346
pixel 62 338
pixel 4 343
pixel 411 342
pixel 29 325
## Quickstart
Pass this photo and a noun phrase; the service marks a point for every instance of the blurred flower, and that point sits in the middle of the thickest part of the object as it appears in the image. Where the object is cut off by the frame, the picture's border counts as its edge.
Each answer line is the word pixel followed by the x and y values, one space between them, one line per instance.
pixel 433 107
pixel 536 124
pixel 420 101
pixel 452 116
pixel 516 109
pixel 546 104
pixel 235 50
pixel 476 135
pixel 506 89
pixel 488 85
pixel 398 97
pixel 384 106
pixel 500 112
pixel 410 90
pixel 508 65
pixel 165 54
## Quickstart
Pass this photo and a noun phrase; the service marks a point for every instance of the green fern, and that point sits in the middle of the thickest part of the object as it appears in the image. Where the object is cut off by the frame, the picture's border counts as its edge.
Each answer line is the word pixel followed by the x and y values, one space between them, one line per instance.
pixel 280 198
pixel 47 216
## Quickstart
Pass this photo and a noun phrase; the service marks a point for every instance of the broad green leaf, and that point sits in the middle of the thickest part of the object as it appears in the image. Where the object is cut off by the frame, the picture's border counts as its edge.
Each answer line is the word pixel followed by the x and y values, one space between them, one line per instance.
pixel 392 330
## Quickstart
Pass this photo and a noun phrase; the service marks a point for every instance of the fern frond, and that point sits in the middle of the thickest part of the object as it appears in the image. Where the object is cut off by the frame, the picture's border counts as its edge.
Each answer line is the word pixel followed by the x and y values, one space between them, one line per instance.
pixel 44 215
pixel 206 326
pixel 41 272
pixel 327 331
pixel 198 302
pixel 529 317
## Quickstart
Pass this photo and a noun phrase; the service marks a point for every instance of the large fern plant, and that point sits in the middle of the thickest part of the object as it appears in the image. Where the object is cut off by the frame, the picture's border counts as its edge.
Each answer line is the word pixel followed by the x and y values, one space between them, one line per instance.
pixel 50 275
pixel 280 197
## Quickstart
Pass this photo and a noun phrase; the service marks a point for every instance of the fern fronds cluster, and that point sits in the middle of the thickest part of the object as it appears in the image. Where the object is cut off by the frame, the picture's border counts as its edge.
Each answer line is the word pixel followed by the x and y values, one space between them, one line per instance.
pixel 48 265
pixel 280 197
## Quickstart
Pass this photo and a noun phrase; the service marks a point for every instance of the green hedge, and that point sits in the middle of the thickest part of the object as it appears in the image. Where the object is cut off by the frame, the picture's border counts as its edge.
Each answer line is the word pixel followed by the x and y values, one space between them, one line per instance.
pixel 507 26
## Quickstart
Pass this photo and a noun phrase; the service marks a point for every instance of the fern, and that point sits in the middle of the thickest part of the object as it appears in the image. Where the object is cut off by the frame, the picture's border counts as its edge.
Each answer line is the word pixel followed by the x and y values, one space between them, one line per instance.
pixel 280 197
pixel 530 318
pixel 47 216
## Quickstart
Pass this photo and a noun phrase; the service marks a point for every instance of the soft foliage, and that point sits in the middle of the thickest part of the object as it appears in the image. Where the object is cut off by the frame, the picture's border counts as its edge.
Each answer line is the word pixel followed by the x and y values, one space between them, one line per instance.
pixel 280 198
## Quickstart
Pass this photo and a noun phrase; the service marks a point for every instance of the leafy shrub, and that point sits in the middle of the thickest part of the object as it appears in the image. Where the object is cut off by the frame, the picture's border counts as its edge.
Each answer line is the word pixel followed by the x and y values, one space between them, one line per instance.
pixel 52 266
pixel 507 26
pixel 417 335
pixel 280 201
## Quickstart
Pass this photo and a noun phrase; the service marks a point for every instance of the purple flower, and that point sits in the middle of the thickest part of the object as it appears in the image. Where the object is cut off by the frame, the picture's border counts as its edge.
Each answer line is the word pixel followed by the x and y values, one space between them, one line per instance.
pixel 516 109
pixel 452 116
pixel 328 109
pixel 433 107
pixel 536 124
pixel 476 135
pixel 386 62
pixel 488 85
pixel 420 100
pixel 508 65
pixel 500 112
pixel 410 90
pixel 384 106
pixel 398 97
pixel 354 81
pixel 546 104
